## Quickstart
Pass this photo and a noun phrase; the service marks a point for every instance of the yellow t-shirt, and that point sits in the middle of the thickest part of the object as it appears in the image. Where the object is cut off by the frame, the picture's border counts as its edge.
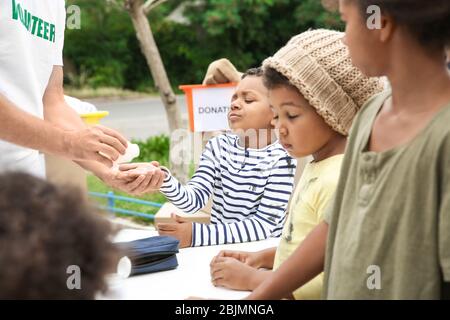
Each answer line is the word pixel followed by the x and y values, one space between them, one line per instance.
pixel 310 199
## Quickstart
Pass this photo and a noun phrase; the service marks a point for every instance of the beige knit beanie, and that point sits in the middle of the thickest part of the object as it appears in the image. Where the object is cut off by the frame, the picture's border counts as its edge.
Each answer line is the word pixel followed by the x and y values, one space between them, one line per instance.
pixel 318 63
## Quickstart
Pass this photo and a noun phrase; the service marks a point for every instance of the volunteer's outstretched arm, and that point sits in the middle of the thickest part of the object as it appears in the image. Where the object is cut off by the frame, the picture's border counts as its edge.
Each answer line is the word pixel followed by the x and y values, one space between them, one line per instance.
pixel 62 116
pixel 21 128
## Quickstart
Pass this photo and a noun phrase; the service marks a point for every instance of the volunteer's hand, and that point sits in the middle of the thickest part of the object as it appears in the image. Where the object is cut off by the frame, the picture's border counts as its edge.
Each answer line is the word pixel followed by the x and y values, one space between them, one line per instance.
pixel 221 71
pixel 154 176
pixel 180 229
pixel 252 259
pixel 86 144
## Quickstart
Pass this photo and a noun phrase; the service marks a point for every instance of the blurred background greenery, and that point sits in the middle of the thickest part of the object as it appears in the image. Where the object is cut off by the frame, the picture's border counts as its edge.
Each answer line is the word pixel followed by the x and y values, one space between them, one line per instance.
pixel 189 34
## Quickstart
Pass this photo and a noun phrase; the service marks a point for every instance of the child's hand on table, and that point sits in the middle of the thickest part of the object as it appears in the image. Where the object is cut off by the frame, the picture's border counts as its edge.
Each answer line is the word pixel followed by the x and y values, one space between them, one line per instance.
pixel 180 229
pixel 252 259
pixel 233 274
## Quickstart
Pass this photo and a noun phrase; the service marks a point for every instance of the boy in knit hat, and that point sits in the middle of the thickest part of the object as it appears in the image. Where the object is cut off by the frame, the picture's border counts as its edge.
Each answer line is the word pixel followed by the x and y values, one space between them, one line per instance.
pixel 315 92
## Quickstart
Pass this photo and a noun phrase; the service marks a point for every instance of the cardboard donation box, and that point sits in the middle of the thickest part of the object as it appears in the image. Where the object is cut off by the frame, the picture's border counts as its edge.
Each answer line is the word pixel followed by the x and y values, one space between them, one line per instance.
pixel 208 106
pixel 65 172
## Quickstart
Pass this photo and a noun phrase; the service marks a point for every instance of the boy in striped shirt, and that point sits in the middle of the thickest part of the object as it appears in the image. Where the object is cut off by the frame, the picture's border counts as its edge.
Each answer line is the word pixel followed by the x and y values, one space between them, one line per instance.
pixel 247 173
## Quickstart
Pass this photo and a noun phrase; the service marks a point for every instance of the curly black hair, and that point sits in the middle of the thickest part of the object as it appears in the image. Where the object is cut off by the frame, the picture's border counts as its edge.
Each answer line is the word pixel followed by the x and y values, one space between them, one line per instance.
pixel 428 21
pixel 44 229
pixel 253 72
pixel 273 79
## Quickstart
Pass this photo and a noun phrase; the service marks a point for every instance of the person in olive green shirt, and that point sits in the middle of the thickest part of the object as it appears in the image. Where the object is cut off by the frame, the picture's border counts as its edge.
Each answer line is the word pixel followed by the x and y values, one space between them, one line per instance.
pixel 387 233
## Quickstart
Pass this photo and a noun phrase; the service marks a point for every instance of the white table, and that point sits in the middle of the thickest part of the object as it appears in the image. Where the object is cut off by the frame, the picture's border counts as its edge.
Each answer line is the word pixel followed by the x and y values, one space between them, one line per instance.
pixel 191 278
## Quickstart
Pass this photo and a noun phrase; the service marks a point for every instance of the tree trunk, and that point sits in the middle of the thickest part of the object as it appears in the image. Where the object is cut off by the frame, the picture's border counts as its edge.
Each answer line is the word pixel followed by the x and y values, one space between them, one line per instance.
pixel 150 50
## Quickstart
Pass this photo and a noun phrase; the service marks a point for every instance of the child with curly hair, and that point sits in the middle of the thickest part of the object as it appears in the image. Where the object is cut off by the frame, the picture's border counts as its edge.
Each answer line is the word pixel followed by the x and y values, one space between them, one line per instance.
pixel 47 232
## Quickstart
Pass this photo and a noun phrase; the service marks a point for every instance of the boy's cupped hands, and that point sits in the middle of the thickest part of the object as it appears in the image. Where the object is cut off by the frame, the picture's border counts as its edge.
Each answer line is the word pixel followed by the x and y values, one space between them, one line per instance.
pixel 136 178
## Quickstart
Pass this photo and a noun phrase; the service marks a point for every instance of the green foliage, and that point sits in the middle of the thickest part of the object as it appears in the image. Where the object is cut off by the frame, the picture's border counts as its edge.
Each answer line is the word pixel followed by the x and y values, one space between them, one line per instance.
pixel 248 31
pixel 106 52
pixel 100 48
pixel 111 75
pixel 154 149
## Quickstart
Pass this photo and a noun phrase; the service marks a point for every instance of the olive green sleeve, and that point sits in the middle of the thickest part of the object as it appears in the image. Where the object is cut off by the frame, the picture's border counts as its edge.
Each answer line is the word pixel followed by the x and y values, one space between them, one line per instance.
pixel 444 220
pixel 444 210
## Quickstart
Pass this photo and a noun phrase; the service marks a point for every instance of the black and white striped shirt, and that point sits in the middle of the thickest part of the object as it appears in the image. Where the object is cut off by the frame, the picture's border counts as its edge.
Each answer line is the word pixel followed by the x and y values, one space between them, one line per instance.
pixel 250 189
